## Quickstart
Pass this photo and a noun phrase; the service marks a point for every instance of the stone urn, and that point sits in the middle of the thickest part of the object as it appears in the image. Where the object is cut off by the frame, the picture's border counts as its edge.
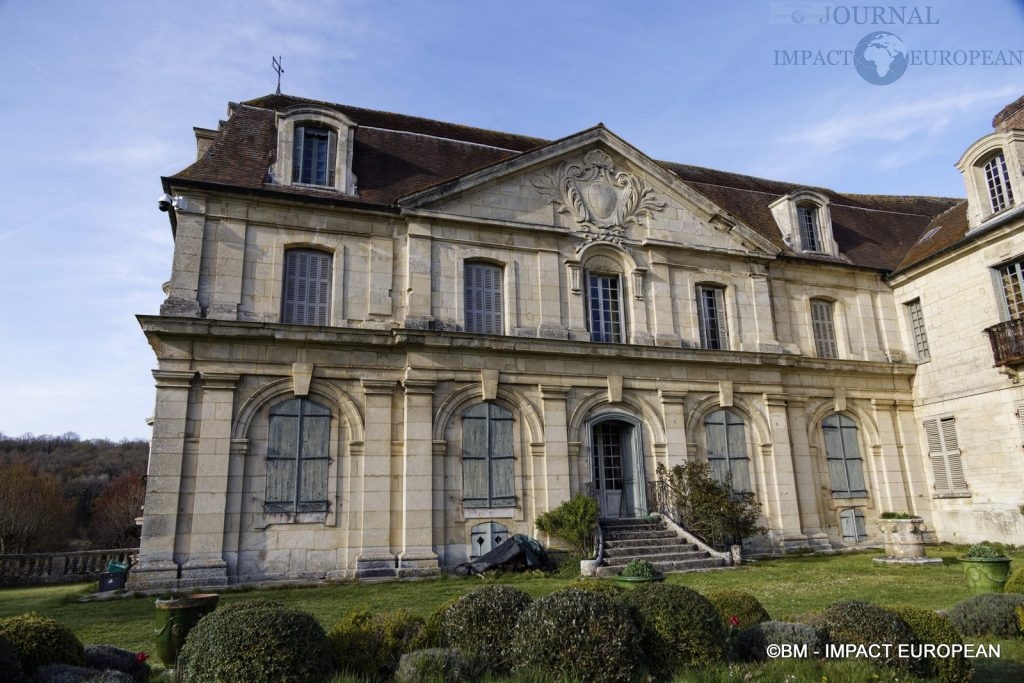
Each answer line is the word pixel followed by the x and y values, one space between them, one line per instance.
pixel 904 541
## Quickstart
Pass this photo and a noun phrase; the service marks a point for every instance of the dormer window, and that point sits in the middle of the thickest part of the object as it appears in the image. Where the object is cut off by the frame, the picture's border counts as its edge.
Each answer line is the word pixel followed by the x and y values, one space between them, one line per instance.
pixel 314 149
pixel 805 221
pixel 810 233
pixel 314 155
pixel 997 178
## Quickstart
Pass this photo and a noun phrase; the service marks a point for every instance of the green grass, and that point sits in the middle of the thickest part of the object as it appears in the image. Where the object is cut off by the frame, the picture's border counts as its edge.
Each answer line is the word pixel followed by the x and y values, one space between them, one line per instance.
pixel 787 587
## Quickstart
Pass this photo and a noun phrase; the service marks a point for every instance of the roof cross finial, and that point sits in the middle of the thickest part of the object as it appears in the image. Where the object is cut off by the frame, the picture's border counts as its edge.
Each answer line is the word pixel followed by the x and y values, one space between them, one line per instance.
pixel 276 62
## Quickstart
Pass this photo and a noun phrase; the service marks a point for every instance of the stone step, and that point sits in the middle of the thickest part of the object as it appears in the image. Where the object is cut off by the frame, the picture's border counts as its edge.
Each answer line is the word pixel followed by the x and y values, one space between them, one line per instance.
pixel 651 549
pixel 669 567
pixel 640 542
pixel 632 535
pixel 655 558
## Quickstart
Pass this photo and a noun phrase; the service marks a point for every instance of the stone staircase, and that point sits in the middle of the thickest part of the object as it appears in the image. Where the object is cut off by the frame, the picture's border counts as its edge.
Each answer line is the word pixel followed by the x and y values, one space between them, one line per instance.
pixel 626 539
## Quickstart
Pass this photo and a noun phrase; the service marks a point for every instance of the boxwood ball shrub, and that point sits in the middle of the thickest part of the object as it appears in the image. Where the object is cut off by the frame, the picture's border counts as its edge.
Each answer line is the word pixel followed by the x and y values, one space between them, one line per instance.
pixel 440 665
pixel 680 626
pixel 747 609
pixel 430 636
pixel 65 673
pixel 110 657
pixel 603 586
pixel 861 623
pixel 1015 582
pixel 370 644
pixel 257 644
pixel 10 669
pixel 931 627
pixel 41 640
pixel 578 635
pixel 482 622
pixel 752 642
pixel 987 614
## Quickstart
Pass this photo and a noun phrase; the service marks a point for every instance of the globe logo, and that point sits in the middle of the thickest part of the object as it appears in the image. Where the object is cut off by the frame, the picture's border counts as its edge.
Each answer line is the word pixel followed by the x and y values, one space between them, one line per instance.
pixel 880 58
pixel 797 16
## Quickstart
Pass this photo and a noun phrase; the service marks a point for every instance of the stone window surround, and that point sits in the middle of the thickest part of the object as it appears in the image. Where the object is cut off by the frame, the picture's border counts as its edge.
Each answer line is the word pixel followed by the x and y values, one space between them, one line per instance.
pixel 839 323
pixel 786 214
pixel 304 115
pixel 506 287
pixel 971 166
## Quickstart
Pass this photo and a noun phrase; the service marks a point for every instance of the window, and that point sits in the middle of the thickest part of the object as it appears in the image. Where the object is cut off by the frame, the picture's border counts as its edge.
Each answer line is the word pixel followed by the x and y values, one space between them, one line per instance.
pixel 307 287
pixel 727 449
pixel 298 455
pixel 824 329
pixel 997 178
pixel 1012 277
pixel 711 317
pixel 605 303
pixel 944 452
pixel 810 235
pixel 487 457
pixel 314 154
pixel 483 298
pixel 845 467
pixel 486 537
pixel 917 329
pixel 851 523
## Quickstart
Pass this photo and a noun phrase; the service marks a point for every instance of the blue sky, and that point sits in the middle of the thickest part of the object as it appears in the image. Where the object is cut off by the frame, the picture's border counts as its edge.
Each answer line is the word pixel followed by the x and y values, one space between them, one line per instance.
pixel 98 100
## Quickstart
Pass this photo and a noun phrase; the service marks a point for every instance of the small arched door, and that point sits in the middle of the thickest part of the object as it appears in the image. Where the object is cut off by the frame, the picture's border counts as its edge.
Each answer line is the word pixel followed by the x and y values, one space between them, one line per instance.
pixel 617 468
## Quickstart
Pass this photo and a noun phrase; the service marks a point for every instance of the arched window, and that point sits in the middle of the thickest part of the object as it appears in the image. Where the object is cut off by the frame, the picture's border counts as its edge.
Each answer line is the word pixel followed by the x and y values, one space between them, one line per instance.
pixel 314 154
pixel 488 457
pixel 604 300
pixel 997 180
pixel 845 466
pixel 810 228
pixel 727 449
pixel 714 332
pixel 298 455
pixel 483 298
pixel 824 328
pixel 306 298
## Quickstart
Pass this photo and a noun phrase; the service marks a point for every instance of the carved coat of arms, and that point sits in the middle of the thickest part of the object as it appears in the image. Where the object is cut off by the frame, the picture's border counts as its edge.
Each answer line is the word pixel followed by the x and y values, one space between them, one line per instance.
pixel 601 200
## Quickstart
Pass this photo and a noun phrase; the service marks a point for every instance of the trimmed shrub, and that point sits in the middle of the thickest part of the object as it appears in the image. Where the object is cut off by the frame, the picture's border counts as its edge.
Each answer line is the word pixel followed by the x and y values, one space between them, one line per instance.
pixel 10 669
pixel 1019 610
pixel 370 645
pixel 680 627
pixel 482 622
pixel 65 673
pixel 1015 582
pixel 574 522
pixel 752 642
pixel 987 614
pixel 257 644
pixel 430 636
pixel 856 622
pixel 747 609
pixel 41 640
pixel 602 586
pixel 579 635
pixel 932 627
pixel 439 665
pixel 110 657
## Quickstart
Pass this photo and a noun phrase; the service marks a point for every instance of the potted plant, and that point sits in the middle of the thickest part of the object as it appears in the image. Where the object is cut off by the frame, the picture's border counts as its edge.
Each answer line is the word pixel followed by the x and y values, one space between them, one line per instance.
pixel 985 568
pixel 903 534
pixel 638 571
pixel 175 617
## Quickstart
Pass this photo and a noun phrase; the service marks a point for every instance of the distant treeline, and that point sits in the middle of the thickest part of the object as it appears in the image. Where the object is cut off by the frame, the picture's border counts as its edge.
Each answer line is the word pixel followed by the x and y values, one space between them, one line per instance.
pixel 67 493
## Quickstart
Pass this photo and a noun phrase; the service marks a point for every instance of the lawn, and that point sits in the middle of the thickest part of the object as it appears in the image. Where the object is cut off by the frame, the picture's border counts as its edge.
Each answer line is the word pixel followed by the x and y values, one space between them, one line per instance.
pixel 787 587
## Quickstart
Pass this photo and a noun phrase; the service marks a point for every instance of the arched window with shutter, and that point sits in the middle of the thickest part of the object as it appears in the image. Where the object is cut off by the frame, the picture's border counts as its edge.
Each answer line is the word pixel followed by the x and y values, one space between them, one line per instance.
pixel 483 298
pixel 842 450
pixel 298 456
pixel 726 435
pixel 306 299
pixel 488 457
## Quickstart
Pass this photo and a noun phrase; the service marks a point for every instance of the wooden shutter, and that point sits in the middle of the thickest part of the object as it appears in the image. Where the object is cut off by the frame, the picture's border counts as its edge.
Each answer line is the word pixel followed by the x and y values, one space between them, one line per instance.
pixel 714 333
pixel 502 458
pixel 483 298
pixel 314 457
pixel 824 329
pixel 944 452
pixel 851 522
pixel 474 456
pixel 307 287
pixel 488 457
pixel 282 467
pixel 332 155
pixel 727 449
pixel 842 450
pixel 298 456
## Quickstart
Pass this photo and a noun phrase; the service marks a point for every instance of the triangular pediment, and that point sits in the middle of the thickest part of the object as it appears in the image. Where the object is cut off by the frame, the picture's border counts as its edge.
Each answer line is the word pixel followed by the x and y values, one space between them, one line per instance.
pixel 595 186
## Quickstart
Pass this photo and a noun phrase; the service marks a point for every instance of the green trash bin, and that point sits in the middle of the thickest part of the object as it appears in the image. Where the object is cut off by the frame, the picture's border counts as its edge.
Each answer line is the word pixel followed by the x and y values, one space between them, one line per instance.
pixel 175 617
pixel 115 567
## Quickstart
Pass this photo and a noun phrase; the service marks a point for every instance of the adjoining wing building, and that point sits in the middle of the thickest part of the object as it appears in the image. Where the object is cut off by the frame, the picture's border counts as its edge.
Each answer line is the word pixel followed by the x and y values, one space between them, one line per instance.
pixel 388 342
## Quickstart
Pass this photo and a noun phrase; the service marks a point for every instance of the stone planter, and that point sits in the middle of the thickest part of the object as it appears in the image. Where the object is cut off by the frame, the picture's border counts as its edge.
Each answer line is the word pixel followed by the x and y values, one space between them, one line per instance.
pixel 985 574
pixel 904 541
pixel 631 582
pixel 175 617
pixel 589 567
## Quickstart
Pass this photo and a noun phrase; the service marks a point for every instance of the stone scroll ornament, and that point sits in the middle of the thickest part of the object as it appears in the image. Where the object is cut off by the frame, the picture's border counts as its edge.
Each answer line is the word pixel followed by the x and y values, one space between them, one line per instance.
pixel 601 200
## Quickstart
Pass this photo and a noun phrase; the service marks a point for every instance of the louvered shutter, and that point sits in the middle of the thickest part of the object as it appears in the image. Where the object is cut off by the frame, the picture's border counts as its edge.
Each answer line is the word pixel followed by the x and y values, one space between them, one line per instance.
pixel 1020 419
pixel 944 452
pixel 824 329
pixel 483 298
pixel 307 287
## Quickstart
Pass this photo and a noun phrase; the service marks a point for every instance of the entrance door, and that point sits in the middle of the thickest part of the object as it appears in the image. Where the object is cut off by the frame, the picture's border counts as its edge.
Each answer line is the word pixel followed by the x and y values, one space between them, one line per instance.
pixel 615 468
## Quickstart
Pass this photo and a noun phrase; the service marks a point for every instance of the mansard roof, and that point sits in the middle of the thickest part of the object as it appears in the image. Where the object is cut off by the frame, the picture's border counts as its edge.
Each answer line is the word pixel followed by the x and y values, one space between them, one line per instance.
pixel 396 155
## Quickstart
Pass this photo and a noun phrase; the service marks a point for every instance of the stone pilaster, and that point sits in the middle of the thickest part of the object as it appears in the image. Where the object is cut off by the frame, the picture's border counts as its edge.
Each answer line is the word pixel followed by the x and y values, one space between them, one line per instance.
pixel 374 527
pixel 183 288
pixel 555 477
pixel 226 270
pixel 674 413
pixel 417 557
pixel 419 310
pixel 805 465
pixel 782 500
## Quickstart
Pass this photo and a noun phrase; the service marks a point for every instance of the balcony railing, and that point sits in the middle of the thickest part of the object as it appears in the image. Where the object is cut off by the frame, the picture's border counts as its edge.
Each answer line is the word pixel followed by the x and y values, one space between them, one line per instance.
pixel 1007 342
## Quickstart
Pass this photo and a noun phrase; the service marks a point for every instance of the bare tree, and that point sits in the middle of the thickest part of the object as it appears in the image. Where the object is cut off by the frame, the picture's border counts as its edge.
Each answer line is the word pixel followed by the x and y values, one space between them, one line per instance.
pixel 115 510
pixel 34 515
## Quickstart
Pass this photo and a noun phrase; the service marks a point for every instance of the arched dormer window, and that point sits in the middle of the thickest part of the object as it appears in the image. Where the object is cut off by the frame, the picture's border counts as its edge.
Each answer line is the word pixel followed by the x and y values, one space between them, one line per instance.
pixel 810 227
pixel 314 149
pixel 314 155
pixel 992 172
pixel 805 221
pixel 997 181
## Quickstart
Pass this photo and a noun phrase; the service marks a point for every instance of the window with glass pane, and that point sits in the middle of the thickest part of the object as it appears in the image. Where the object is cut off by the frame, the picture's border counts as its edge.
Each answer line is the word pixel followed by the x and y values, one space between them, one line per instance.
pixel 711 317
pixel 483 298
pixel 298 455
pixel 1000 193
pixel 727 449
pixel 314 153
pixel 842 449
pixel 605 308
pixel 488 457
pixel 824 329
pixel 307 287
pixel 1012 277
pixel 810 235
pixel 917 329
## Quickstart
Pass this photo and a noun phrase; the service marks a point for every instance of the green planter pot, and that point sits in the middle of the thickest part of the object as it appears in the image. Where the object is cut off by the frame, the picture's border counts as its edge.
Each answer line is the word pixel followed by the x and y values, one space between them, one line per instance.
pixel 175 617
pixel 631 582
pixel 986 574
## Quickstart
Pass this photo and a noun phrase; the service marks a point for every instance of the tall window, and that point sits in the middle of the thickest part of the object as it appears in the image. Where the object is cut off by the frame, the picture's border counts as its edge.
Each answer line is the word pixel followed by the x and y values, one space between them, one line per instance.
pixel 917 329
pixel 824 329
pixel 810 234
pixel 997 178
pixel 1012 277
pixel 483 298
pixel 307 287
pixel 298 456
pixel 944 452
pixel 845 466
pixel 605 302
pixel 314 154
pixel 727 449
pixel 488 457
pixel 711 317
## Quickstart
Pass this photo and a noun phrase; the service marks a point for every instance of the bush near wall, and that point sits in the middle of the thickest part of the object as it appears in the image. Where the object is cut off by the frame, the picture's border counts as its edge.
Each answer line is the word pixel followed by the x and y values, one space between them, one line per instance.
pixel 931 627
pixel 744 607
pixel 987 614
pixel 40 641
pixel 482 622
pixel 861 623
pixel 371 645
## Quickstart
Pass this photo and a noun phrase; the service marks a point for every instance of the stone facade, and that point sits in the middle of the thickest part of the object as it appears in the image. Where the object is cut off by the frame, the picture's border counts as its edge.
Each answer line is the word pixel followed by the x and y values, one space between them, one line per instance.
pixel 636 303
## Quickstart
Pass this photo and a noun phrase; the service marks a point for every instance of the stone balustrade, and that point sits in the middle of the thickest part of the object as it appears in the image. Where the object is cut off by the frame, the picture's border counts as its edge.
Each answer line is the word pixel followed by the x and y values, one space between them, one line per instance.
pixel 70 567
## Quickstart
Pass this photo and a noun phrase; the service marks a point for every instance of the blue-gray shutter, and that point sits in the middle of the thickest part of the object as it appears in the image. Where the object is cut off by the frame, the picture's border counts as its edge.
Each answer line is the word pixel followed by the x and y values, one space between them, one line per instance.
pixel 727 448
pixel 486 537
pixel 298 456
pixel 824 329
pixel 307 287
pixel 842 450
pixel 488 457
pixel 851 522
pixel 483 298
